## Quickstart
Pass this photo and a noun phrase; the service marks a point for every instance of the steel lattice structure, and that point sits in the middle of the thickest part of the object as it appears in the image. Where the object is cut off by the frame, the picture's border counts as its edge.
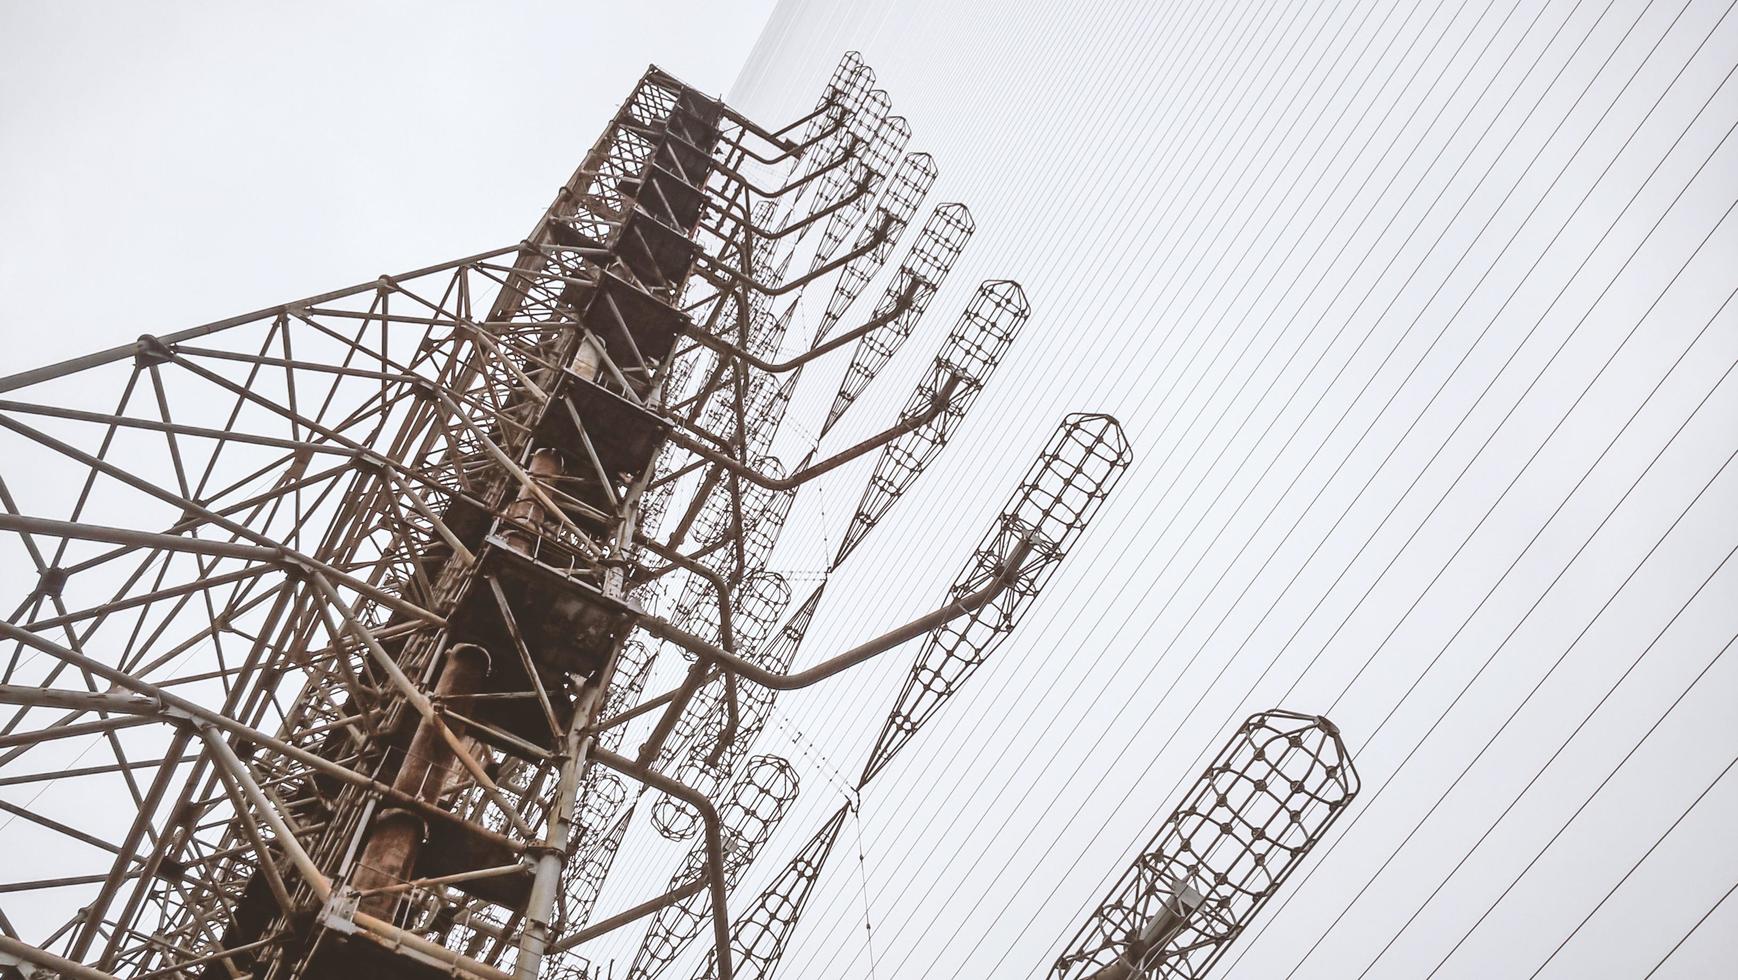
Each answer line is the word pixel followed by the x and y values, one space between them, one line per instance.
pixel 1263 803
pixel 352 602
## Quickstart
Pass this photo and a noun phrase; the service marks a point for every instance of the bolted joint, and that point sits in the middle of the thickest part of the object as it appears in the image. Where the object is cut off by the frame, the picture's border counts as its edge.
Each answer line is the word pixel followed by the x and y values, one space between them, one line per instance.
pixel 50 583
pixel 151 351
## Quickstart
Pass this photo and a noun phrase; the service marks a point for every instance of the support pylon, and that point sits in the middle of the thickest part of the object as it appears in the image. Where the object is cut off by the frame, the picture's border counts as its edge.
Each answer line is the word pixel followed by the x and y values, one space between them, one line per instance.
pixel 341 616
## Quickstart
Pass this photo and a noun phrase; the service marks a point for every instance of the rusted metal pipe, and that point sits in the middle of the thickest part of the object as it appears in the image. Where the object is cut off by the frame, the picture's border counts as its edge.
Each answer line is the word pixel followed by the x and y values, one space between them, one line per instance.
pixel 714 846
pixel 15 953
pixel 429 764
pixel 527 511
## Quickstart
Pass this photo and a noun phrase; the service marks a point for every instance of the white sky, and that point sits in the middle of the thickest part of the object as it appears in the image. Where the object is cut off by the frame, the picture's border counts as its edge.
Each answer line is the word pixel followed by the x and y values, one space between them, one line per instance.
pixel 167 164
pixel 1174 181
pixel 1171 181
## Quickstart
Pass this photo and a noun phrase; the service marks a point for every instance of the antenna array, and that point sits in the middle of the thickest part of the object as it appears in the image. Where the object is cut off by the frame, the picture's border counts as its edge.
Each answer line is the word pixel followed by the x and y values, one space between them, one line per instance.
pixel 350 603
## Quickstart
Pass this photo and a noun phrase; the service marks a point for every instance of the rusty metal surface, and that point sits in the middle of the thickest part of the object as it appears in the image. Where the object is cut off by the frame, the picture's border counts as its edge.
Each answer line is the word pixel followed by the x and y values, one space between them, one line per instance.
pixel 363 594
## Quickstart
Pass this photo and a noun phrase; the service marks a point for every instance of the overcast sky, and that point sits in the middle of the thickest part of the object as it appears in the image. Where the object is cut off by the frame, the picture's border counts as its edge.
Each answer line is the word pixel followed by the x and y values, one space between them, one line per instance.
pixel 167 164
pixel 1385 248
pixel 1414 314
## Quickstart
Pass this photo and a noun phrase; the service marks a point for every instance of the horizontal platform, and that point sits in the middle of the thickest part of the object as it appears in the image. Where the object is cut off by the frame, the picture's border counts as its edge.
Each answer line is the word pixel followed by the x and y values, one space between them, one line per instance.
pixel 695 117
pixel 667 196
pixel 682 157
pixel 616 304
pixel 568 625
pixel 625 436
pixel 657 253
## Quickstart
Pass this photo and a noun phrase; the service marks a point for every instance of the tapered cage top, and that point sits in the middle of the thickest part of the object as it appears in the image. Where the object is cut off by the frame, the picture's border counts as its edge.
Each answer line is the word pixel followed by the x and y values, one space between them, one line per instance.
pixel 1261 805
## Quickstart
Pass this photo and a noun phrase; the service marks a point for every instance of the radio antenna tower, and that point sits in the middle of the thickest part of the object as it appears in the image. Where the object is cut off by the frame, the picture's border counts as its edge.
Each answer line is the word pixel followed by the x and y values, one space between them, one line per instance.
pixel 360 630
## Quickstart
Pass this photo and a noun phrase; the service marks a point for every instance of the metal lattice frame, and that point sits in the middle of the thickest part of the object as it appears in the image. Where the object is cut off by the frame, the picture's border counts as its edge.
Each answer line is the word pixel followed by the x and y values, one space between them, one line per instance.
pixel 758 800
pixel 1263 803
pixel 356 599
pixel 394 526
pixel 1052 507
pixel 904 302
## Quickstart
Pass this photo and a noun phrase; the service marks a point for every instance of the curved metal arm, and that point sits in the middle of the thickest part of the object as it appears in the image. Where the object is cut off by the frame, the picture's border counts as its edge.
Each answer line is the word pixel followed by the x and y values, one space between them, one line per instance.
pixel 879 235
pixel 721 588
pixel 714 843
pixel 773 194
pixel 776 138
pixel 1005 577
pixel 901 304
pixel 937 407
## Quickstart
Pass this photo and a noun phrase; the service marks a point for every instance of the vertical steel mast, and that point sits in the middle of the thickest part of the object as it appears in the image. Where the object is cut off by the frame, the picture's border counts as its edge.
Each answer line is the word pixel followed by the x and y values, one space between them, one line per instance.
pixel 338 624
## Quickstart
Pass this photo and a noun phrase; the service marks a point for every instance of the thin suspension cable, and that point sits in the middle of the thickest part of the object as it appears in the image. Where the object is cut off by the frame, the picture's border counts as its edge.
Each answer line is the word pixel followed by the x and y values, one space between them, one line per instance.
pixel 1390 715
pixel 1579 809
pixel 1718 904
pixel 1661 839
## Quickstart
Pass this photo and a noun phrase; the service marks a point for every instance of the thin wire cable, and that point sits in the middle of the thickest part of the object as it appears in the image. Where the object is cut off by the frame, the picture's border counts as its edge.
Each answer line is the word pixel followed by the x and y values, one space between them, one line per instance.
pixel 1513 714
pixel 1651 394
pixel 1579 809
pixel 1410 755
pixel 1686 936
pixel 1638 863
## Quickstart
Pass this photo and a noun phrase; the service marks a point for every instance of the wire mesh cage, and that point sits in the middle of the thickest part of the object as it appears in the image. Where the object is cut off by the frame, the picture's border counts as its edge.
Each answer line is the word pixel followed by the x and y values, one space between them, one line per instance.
pixel 758 801
pixel 1055 501
pixel 1262 804
pixel 904 301
pixel 969 355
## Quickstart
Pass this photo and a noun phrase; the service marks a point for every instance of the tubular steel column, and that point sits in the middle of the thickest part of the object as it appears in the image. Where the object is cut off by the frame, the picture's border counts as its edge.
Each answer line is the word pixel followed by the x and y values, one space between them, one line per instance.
pixel 338 618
